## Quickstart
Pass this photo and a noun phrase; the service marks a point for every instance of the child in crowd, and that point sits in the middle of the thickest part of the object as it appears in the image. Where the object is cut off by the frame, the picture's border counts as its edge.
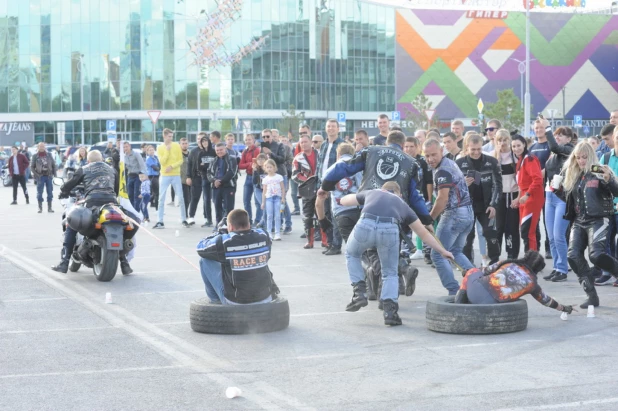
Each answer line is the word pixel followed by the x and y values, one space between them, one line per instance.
pixel 273 196
pixel 153 168
pixel 144 196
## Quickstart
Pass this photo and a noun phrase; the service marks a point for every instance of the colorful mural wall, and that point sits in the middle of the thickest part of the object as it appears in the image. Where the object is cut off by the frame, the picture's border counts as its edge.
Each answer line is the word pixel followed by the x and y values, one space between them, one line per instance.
pixel 455 58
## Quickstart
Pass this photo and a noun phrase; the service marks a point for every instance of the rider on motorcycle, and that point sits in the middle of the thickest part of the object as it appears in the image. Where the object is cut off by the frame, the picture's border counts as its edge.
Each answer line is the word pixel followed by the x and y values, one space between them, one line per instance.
pixel 99 180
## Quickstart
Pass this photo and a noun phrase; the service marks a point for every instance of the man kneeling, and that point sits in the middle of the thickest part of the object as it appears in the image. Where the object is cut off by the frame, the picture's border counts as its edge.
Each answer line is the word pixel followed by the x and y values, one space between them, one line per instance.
pixel 234 263
pixel 383 213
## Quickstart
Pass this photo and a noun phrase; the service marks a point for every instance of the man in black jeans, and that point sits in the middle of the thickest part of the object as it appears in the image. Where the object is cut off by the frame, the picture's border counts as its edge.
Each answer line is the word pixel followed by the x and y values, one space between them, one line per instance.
pixel 484 179
pixel 221 174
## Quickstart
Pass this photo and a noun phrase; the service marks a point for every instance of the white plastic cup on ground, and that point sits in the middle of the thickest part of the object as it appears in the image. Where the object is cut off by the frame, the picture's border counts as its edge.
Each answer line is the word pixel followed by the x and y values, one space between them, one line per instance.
pixel 564 316
pixel 177 233
pixel 233 392
pixel 556 181
pixel 591 311
pixel 108 298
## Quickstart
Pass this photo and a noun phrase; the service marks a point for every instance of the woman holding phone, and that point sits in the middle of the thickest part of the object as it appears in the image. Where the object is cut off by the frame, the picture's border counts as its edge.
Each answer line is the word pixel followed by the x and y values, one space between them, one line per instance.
pixel 530 200
pixel 590 190
pixel 555 202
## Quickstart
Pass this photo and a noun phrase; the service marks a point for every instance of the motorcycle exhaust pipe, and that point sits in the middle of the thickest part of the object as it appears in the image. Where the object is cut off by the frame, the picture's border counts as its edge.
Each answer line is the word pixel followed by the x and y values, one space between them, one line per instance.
pixel 128 245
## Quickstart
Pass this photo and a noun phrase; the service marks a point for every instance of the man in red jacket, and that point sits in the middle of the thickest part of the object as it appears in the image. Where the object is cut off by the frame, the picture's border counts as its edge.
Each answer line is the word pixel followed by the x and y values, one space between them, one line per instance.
pixel 18 163
pixel 247 159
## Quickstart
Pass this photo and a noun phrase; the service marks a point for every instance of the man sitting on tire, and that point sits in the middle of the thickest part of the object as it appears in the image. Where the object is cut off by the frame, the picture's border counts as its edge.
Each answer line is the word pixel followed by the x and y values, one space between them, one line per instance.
pixel 378 227
pixel 234 263
pixel 507 281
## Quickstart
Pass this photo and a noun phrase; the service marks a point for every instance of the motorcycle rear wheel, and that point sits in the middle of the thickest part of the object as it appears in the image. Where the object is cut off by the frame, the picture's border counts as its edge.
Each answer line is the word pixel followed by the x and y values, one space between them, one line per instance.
pixel 108 265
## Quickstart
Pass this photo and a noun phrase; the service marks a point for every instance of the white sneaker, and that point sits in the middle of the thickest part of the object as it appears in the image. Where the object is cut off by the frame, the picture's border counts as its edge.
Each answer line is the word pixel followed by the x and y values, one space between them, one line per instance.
pixel 417 255
pixel 171 203
pixel 486 261
pixel 277 237
pixel 190 221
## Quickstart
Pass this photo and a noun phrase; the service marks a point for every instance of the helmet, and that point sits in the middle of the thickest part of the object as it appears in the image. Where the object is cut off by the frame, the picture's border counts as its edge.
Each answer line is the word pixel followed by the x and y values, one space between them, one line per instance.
pixel 79 218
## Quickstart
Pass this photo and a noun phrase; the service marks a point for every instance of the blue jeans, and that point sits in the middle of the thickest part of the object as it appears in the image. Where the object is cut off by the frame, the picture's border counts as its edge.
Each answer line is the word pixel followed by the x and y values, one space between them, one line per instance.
pixel 134 185
pixel 213 280
pixel 273 207
pixel 247 195
pixel 452 231
pixel 143 204
pixel 164 183
pixel 556 231
pixel 384 236
pixel 44 182
pixel 286 213
pixel 257 196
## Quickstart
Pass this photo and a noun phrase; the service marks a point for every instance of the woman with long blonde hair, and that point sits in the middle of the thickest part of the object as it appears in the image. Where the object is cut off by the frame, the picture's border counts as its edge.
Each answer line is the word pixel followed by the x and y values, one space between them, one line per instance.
pixel 590 206
pixel 507 218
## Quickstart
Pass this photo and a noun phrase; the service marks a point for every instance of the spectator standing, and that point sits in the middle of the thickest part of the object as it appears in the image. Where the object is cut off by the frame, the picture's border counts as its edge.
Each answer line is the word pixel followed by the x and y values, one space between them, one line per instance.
pixel 304 174
pixel 44 168
pixel 18 163
pixel 492 126
pixel 153 170
pixel 451 147
pixel 221 175
pixel 186 188
pixel 24 150
pixel 171 159
pixel 3 157
pixel 541 150
pixel 383 128
pixel 555 201
pixel 457 128
pixel 531 199
pixel 247 159
pixel 258 175
pixel 421 135
pixel 317 141
pixel 507 217
pixel 144 196
pixel 361 140
pixel 273 197
pixel 230 139
pixel 200 159
pixel 277 153
pixel 133 166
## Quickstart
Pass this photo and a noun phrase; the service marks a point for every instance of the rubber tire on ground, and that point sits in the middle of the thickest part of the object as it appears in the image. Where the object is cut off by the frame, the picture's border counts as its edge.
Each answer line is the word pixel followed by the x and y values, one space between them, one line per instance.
pixel 239 319
pixel 74 267
pixel 443 315
pixel 109 260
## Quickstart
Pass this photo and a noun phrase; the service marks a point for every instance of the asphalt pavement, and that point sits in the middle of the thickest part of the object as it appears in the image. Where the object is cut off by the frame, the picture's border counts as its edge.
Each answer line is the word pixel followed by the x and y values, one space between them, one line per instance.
pixel 63 348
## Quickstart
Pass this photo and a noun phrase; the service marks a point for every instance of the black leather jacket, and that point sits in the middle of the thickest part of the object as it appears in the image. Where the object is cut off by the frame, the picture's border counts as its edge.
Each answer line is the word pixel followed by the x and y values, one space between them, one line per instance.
pixel 278 155
pixel 591 198
pixel 98 180
pixel 556 160
pixel 199 161
pixel 229 173
pixel 491 178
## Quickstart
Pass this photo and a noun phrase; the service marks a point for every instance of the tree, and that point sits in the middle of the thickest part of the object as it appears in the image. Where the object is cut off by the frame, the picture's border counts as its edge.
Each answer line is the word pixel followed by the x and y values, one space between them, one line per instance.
pixel 291 120
pixel 417 117
pixel 507 109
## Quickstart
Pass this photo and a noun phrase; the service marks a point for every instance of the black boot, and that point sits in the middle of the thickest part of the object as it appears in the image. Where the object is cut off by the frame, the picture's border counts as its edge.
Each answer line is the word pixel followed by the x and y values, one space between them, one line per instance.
pixel 49 208
pixel 62 267
pixel 359 298
pixel 588 286
pixel 40 207
pixel 27 199
pixel 124 265
pixel 390 313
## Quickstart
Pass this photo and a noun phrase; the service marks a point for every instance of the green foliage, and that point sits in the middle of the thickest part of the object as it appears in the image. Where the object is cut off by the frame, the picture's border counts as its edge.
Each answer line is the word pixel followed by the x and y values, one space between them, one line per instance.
pixel 507 109
pixel 418 118
pixel 290 120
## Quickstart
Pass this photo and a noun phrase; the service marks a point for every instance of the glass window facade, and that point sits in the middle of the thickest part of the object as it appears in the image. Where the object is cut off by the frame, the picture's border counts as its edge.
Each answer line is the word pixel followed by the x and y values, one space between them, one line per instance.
pixel 115 56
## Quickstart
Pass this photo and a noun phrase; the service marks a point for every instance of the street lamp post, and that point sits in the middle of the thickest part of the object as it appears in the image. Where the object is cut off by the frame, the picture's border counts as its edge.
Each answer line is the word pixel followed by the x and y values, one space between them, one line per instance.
pixel 81 93
pixel 527 95
pixel 521 67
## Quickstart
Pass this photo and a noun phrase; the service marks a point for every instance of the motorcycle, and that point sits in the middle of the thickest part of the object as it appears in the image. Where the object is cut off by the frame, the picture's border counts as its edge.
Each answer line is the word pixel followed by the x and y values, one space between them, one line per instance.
pixel 7 180
pixel 99 246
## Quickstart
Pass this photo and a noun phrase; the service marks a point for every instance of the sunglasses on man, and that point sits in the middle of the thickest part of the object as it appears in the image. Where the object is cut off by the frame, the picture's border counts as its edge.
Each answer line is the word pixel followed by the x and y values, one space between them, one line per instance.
pixel 314 142
pixel 490 129
pixel 266 136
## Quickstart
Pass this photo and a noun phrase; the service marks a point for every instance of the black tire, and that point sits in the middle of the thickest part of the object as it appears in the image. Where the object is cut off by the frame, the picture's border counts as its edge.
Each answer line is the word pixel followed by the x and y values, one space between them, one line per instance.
pixel 239 319
pixel 106 271
pixel 443 315
pixel 74 267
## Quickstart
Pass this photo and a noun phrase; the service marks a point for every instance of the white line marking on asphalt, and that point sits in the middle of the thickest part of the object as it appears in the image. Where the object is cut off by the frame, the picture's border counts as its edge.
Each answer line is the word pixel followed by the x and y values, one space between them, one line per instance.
pixel 16 278
pixel 88 372
pixel 25 300
pixel 311 285
pixel 55 330
pixel 330 313
pixel 563 405
pixel 175 348
pixel 172 323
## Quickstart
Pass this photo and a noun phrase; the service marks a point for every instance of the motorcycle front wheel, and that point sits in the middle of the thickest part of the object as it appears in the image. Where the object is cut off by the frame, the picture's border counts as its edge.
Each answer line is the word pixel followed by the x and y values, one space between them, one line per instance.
pixel 106 269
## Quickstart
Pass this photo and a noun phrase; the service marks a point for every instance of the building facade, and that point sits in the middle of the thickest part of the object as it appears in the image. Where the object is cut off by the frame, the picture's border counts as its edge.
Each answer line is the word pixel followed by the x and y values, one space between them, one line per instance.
pixel 67 66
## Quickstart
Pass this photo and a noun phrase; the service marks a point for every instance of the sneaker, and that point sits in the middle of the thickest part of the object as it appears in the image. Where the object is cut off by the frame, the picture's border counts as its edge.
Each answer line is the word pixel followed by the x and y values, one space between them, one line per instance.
pixel 171 203
pixel 303 235
pixel 333 251
pixel 158 225
pixel 185 224
pixel 409 278
pixel 485 261
pixel 417 255
pixel 548 255
pixel 326 249
pixel 295 212
pixel 288 230
pixel 550 276
pixel 277 237
pixel 191 221
pixel 605 279
pixel 14 203
pixel 559 277
pixel 208 223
